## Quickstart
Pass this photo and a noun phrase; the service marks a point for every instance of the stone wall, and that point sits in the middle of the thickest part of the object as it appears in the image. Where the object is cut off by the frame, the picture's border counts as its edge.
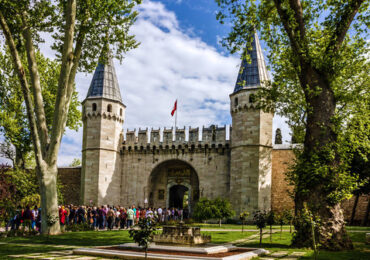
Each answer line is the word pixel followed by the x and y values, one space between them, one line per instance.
pixel 70 178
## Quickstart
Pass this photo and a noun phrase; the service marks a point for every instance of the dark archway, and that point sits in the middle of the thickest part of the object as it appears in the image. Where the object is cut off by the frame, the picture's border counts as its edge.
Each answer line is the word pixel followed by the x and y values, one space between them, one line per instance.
pixel 171 181
pixel 177 193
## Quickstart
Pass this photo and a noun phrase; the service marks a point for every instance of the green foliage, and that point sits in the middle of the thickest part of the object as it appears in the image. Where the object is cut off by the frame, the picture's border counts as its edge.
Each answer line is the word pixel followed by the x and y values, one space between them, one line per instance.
pixel 208 209
pixel 270 220
pixel 76 162
pixel 223 209
pixel 204 209
pixel 14 125
pixel 260 219
pixel 19 188
pixel 79 227
pixel 144 235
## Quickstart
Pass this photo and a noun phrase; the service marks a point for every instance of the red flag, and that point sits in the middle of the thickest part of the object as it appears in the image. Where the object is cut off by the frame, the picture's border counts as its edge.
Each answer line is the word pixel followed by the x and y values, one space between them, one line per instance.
pixel 174 108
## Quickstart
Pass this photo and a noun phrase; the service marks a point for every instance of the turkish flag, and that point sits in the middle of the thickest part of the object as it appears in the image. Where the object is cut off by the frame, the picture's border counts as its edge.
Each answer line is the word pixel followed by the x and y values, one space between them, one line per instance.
pixel 174 108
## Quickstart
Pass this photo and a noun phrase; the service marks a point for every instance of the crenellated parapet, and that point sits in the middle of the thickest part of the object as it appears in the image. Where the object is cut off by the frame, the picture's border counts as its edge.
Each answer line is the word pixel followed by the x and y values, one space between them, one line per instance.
pixel 104 115
pixel 182 138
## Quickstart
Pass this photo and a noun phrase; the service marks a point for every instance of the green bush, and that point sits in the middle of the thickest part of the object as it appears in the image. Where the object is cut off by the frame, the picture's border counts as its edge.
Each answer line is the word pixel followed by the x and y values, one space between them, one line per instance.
pixel 79 227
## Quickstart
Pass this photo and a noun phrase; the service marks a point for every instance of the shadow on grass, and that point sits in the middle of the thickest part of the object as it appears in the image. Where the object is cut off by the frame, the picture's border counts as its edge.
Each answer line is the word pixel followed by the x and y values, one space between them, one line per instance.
pixel 88 238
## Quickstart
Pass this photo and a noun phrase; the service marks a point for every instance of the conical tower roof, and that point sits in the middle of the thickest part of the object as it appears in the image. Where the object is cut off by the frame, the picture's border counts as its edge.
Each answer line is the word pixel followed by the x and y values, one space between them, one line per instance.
pixel 104 83
pixel 252 75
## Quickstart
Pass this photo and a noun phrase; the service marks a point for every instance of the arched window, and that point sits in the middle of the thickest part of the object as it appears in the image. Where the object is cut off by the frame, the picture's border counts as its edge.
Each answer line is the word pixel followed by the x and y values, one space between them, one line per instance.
pixel 236 102
pixel 109 108
pixel 120 112
pixel 94 106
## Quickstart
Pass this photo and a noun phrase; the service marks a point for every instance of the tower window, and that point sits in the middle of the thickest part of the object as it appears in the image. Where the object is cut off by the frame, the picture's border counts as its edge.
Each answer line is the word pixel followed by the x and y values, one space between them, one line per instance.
pixel 94 106
pixel 236 102
pixel 109 108
pixel 120 112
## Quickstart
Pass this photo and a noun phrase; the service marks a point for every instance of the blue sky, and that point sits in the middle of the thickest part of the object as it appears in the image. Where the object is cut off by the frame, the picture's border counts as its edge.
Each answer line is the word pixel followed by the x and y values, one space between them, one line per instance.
pixel 179 58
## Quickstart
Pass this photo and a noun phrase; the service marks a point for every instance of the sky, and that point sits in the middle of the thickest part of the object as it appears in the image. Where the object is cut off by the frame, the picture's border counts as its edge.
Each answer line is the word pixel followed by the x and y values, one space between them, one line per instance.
pixel 179 58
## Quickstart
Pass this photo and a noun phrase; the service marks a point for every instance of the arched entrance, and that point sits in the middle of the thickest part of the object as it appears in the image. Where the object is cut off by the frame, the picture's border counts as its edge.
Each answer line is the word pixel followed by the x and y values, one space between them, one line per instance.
pixel 178 198
pixel 173 183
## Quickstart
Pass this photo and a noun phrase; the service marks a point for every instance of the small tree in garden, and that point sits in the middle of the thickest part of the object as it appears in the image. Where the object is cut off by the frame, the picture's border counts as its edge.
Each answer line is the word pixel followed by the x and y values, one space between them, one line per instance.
pixel 259 219
pixel 243 217
pixel 288 216
pixel 223 209
pixel 144 235
pixel 280 220
pixel 270 221
pixel 204 210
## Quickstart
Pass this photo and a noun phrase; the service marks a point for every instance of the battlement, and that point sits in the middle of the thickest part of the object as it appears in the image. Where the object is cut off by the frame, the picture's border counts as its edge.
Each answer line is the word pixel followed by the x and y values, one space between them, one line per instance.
pixel 168 138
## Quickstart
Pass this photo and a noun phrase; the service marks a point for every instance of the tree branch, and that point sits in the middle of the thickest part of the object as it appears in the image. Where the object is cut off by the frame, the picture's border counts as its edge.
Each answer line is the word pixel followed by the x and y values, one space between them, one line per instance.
pixel 25 88
pixel 344 21
pixel 35 80
pixel 298 15
pixel 284 17
pixel 65 73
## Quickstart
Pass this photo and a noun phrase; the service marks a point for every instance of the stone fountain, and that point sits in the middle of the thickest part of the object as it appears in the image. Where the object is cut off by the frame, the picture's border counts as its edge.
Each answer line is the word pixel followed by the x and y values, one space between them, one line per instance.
pixel 181 235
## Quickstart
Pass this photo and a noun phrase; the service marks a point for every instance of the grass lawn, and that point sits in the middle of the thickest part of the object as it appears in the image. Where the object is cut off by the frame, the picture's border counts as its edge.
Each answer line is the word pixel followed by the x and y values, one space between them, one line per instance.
pixel 87 238
pixel 232 226
pixel 361 251
pixel 94 238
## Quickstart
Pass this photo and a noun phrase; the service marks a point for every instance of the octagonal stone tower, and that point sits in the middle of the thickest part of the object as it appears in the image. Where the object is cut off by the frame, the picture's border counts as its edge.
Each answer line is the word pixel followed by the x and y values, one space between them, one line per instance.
pixel 103 116
pixel 251 138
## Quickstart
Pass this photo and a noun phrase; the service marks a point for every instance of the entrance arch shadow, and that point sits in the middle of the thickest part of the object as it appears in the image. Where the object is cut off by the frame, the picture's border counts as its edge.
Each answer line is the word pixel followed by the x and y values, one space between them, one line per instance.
pixel 169 182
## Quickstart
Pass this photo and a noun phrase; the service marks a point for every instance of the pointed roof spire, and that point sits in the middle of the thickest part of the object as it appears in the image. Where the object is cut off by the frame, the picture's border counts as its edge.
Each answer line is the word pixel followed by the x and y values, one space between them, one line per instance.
pixel 104 83
pixel 252 75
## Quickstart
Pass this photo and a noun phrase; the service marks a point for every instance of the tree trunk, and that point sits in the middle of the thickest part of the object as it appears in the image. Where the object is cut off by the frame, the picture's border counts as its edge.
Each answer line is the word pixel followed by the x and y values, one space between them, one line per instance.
pixel 19 160
pixel 260 237
pixel 317 166
pixel 270 233
pixel 366 217
pixel 219 222
pixel 354 209
pixel 49 199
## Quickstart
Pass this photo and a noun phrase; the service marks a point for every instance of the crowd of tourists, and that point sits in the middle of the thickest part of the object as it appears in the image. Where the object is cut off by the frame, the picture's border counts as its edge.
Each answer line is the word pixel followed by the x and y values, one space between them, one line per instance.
pixel 104 217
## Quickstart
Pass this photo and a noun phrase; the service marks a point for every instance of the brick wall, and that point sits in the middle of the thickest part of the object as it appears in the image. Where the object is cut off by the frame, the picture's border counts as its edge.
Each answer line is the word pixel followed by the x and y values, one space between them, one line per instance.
pixel 347 206
pixel 70 177
pixel 280 199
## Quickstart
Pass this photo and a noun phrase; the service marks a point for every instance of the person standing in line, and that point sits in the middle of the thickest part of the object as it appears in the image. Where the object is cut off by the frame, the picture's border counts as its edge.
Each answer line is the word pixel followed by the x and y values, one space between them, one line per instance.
pixel 110 218
pixel 134 209
pixel 35 213
pixel 130 217
pixel 62 217
pixel 159 211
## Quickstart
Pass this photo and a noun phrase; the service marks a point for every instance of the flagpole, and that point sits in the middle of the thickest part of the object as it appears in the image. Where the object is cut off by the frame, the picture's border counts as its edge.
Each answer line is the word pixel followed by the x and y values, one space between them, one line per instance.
pixel 176 115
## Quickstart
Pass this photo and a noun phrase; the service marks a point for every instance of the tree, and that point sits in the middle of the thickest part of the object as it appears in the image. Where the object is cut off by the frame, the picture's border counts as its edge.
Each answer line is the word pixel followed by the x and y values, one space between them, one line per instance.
pixel 270 220
pixel 76 162
pixel 144 235
pixel 320 70
pixel 223 209
pixel 278 137
pixel 280 219
pixel 204 209
pixel 288 216
pixel 243 217
pixel 13 116
pixel 260 218
pixel 81 30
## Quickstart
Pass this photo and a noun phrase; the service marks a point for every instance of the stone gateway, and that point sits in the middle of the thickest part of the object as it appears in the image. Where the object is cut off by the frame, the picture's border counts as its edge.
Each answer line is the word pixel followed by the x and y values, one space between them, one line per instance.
pixel 177 167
